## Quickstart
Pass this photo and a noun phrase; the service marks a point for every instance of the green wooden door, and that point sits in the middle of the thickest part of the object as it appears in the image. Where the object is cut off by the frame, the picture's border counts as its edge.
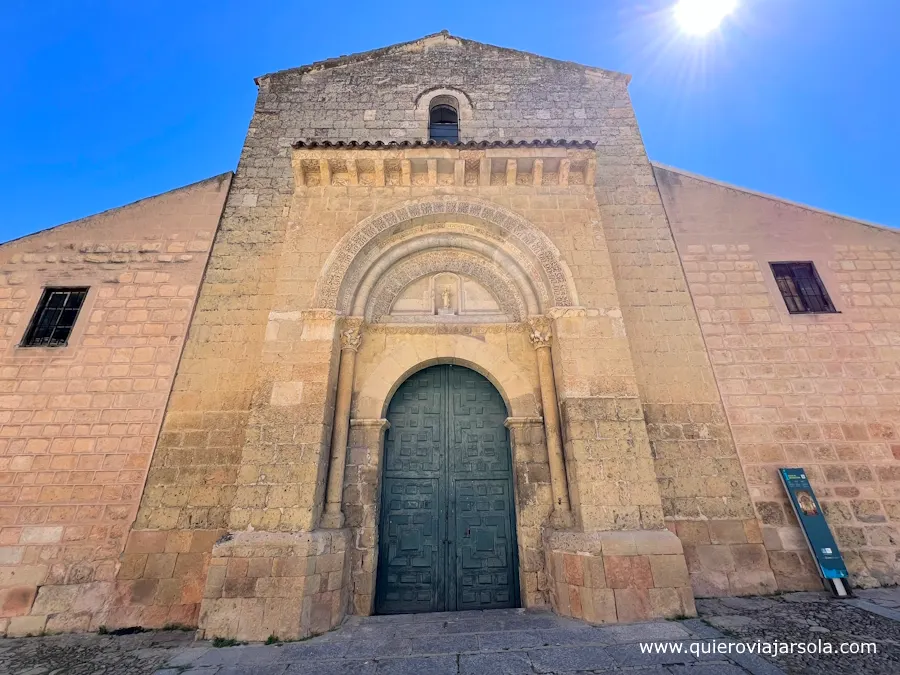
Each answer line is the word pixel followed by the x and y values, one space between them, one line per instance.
pixel 447 536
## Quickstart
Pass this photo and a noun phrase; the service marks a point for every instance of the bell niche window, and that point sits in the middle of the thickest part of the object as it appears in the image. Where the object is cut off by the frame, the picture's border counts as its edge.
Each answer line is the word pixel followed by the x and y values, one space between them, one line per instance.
pixel 443 120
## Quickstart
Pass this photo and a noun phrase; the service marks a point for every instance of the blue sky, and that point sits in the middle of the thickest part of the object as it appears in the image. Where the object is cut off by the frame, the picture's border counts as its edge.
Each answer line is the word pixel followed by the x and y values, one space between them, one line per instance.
pixel 103 102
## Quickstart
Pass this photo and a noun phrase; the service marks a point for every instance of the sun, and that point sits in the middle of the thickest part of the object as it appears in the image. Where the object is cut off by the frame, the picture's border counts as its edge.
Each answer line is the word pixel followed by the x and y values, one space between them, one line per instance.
pixel 699 17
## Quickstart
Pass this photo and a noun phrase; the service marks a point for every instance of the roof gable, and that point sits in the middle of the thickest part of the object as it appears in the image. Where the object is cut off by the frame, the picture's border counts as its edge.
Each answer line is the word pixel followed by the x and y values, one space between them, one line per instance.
pixel 442 38
pixel 660 171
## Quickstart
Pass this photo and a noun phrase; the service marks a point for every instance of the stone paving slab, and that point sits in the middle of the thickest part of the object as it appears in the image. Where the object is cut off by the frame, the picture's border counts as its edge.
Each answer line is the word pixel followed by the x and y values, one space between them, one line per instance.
pixel 508 642
pixel 505 642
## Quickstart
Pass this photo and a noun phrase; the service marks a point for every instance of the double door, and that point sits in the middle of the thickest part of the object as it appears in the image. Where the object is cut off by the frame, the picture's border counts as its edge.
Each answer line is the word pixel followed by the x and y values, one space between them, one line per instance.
pixel 447 538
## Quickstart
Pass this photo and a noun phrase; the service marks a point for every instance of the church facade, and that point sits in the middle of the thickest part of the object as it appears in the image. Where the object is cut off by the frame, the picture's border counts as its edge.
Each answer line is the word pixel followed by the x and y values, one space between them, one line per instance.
pixel 455 343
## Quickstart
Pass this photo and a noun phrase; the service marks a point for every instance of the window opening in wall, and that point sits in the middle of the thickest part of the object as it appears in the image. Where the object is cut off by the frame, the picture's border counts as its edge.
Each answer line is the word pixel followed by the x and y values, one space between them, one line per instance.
pixel 443 123
pixel 801 288
pixel 54 317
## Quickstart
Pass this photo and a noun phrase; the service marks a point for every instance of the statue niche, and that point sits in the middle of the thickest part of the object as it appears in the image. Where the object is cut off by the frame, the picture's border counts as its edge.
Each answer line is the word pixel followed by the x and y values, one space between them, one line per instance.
pixel 446 296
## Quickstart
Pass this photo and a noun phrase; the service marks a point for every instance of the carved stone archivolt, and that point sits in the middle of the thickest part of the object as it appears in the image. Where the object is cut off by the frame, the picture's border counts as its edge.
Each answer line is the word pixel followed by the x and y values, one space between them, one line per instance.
pixel 488 273
pixel 509 224
pixel 380 255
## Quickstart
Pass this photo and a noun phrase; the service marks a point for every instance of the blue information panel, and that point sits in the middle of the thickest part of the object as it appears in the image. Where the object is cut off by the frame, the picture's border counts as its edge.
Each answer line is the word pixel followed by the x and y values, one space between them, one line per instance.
pixel 812 521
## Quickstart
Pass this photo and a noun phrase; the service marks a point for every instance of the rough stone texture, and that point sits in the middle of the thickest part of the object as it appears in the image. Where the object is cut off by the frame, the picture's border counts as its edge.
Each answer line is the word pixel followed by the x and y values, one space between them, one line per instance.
pixel 609 577
pixel 92 654
pixel 78 423
pixel 570 246
pixel 810 390
pixel 308 232
pixel 287 585
pixel 725 557
pixel 304 226
pixel 675 383
pixel 803 618
pixel 504 641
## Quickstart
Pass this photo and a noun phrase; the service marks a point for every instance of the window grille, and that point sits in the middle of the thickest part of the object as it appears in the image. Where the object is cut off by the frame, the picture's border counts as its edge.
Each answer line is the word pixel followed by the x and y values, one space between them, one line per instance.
pixel 54 317
pixel 801 288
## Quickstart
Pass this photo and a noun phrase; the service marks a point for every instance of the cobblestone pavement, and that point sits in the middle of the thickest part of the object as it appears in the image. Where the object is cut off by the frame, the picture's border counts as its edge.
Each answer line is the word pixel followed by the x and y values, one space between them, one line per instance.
pixel 502 642
pixel 810 617
pixel 92 654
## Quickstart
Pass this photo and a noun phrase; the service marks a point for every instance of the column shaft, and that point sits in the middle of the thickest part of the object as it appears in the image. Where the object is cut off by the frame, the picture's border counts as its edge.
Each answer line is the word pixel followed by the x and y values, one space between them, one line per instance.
pixel 333 517
pixel 552 433
pixel 540 340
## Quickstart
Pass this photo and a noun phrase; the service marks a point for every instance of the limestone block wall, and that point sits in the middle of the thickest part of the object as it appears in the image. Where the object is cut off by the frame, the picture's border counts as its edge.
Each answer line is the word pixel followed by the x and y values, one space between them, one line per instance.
pixel 816 391
pixel 260 361
pixel 376 97
pixel 262 584
pixel 696 463
pixel 78 423
pixel 610 577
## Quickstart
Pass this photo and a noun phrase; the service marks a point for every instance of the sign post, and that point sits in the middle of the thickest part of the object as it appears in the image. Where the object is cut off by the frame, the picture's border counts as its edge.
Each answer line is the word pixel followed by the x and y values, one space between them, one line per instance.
pixel 818 536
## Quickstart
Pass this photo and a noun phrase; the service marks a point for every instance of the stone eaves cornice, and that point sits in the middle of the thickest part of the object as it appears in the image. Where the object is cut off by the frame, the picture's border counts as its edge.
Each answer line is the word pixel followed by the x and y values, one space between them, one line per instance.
pixel 489 163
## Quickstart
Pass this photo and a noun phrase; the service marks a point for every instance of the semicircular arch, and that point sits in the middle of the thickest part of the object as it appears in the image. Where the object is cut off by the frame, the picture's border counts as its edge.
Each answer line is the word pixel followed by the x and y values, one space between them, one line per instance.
pixel 493 277
pixel 376 260
pixel 554 271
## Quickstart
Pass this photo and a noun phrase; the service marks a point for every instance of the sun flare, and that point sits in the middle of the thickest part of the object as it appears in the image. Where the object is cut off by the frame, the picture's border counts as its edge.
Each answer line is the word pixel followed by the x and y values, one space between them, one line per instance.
pixel 699 17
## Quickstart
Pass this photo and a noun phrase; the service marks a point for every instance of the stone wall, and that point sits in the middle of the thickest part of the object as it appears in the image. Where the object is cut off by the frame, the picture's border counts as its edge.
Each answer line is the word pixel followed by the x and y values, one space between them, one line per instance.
pixel 610 577
pixel 78 423
pixel 685 420
pixel 246 439
pixel 268 362
pixel 808 390
pixel 264 584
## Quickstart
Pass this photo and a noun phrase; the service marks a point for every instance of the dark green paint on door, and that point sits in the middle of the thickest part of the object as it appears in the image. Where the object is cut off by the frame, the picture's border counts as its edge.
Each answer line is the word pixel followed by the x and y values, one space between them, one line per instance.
pixel 447 533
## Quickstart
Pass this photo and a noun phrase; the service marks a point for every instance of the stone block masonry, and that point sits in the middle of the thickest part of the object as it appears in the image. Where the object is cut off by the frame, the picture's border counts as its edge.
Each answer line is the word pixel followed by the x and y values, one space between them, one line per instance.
pixel 291 586
pixel 816 391
pixel 697 466
pixel 650 380
pixel 612 577
pixel 78 423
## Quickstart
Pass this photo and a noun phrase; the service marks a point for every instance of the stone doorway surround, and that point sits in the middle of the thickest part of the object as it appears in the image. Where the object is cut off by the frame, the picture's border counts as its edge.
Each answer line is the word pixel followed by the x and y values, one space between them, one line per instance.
pixel 591 536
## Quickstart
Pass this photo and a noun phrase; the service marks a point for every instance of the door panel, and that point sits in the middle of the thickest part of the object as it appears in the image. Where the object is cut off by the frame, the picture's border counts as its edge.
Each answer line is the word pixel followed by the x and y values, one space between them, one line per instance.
pixel 409 568
pixel 484 547
pixel 447 524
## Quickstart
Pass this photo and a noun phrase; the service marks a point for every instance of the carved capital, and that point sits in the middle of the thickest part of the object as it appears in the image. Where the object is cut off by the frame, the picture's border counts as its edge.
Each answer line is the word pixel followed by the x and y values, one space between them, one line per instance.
pixel 351 335
pixel 540 332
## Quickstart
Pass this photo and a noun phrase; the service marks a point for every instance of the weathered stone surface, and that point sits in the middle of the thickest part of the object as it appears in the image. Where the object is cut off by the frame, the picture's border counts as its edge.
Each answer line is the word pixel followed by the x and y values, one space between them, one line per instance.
pixel 81 419
pixel 632 493
pixel 793 398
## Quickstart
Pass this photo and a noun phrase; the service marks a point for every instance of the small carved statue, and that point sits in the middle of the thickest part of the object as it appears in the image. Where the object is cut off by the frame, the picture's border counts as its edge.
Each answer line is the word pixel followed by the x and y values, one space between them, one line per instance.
pixel 445 297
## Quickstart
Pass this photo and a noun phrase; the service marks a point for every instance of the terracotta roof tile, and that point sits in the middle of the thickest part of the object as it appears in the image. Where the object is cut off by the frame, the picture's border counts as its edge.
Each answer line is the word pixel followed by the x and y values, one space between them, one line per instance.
pixel 468 145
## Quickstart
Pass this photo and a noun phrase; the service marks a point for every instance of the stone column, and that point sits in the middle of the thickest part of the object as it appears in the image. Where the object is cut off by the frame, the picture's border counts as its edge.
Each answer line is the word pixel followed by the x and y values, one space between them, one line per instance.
pixel 350 337
pixel 540 339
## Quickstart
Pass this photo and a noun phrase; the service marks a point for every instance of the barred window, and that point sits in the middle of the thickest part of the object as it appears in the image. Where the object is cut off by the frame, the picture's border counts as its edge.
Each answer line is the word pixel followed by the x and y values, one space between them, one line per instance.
pixel 801 288
pixel 55 317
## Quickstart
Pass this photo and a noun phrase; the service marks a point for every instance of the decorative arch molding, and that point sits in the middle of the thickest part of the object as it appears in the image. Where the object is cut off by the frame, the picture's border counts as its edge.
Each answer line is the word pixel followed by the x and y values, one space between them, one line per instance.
pixel 510 225
pixel 426 96
pixel 376 260
pixel 401 360
pixel 433 261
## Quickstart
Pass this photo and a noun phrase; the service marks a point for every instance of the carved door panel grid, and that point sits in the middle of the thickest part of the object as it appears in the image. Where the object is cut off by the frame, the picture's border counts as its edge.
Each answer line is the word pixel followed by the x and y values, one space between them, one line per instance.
pixel 447 527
